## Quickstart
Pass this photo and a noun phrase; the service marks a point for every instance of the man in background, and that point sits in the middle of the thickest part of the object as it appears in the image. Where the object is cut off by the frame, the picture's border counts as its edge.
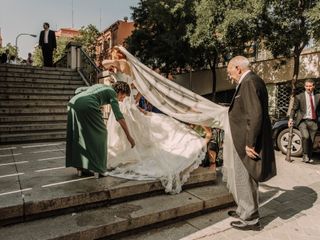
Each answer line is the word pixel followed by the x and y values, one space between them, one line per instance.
pixel 305 108
pixel 47 43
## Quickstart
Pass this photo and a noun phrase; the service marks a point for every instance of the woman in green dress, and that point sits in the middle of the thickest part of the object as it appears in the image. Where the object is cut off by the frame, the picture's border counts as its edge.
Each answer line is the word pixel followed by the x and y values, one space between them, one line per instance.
pixel 86 147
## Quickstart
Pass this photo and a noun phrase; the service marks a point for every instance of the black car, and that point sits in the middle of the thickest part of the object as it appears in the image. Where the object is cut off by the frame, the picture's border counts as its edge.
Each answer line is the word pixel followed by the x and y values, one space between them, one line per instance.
pixel 281 138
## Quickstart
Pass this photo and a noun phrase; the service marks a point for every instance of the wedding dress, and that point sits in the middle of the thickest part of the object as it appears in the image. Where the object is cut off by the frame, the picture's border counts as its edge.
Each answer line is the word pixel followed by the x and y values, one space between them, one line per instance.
pixel 187 106
pixel 166 149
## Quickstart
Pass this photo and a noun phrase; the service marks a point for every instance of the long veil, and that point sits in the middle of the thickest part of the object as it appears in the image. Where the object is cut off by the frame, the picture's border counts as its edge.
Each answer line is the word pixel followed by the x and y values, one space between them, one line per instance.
pixel 185 105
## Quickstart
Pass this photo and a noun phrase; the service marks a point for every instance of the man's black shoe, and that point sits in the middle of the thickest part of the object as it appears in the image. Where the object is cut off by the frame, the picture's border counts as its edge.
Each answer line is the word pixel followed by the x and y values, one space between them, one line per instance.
pixel 245 227
pixel 233 214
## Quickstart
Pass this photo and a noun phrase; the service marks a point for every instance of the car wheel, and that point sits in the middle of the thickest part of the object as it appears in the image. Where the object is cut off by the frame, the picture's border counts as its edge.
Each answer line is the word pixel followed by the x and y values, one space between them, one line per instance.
pixel 296 146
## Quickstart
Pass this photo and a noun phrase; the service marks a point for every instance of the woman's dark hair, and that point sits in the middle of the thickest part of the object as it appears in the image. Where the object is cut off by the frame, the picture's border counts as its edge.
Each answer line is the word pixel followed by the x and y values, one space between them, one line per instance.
pixel 122 87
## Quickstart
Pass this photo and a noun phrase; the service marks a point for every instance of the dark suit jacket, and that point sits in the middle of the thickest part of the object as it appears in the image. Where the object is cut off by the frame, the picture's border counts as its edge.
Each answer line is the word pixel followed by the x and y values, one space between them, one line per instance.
pixel 51 39
pixel 300 107
pixel 250 126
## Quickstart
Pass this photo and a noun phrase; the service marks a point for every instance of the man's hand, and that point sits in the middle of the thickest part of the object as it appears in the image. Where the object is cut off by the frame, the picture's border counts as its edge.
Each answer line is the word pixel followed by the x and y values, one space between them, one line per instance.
pixel 251 152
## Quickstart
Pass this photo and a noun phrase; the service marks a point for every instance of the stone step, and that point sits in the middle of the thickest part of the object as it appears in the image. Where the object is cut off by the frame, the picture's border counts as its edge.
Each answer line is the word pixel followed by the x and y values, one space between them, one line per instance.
pixel 33 103
pixel 38 76
pixel 34 127
pixel 6 85
pixel 65 97
pixel 33 70
pixel 27 91
pixel 25 80
pixel 33 137
pixel 60 191
pixel 27 67
pixel 50 192
pixel 32 118
pixel 108 220
pixel 33 110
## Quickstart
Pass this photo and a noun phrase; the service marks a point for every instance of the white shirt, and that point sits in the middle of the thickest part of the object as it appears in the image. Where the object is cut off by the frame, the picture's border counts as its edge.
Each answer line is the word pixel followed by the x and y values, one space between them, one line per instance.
pixel 243 75
pixel 308 114
pixel 46 34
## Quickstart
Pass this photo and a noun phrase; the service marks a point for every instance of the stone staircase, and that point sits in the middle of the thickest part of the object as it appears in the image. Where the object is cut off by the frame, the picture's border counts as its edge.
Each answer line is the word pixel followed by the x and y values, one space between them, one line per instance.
pixel 33 102
pixel 42 199
pixel 109 208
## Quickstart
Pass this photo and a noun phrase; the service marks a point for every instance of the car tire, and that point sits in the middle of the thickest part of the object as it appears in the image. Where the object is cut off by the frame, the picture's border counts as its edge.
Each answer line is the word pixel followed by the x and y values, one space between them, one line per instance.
pixel 296 146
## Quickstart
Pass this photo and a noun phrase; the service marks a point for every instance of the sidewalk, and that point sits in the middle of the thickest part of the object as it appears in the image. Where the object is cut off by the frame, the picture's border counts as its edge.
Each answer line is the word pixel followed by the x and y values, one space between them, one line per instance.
pixel 289 209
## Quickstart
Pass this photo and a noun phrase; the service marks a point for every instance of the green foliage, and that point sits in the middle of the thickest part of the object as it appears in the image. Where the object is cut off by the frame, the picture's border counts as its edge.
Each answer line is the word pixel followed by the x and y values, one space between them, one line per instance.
pixel 88 39
pixel 61 48
pixel 225 28
pixel 159 39
pixel 313 16
pixel 12 49
pixel 289 25
pixel 37 57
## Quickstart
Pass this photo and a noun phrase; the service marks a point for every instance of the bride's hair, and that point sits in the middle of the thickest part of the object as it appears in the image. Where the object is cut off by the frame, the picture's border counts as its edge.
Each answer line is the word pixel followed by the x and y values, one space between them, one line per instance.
pixel 116 54
pixel 122 87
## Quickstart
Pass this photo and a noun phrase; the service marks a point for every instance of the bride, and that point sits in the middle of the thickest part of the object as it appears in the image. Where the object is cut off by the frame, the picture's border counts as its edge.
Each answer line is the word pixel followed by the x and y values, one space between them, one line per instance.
pixel 166 149
pixel 164 144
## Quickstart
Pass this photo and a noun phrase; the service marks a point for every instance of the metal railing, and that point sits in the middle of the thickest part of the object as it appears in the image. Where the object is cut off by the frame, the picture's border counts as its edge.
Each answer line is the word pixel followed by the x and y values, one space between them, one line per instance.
pixel 76 58
pixel 62 62
pixel 88 69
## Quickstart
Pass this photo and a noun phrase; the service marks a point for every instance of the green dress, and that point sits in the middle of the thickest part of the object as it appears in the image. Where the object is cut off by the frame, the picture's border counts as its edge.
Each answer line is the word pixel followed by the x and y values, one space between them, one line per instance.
pixel 86 145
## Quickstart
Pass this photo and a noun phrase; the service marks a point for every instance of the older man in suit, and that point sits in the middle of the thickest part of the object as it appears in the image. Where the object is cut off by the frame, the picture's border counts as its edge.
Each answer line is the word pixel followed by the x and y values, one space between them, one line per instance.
pixel 253 148
pixel 47 42
pixel 305 108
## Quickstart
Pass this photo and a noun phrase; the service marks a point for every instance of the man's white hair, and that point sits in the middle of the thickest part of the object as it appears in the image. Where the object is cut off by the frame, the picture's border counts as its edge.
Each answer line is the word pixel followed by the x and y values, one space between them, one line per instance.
pixel 240 61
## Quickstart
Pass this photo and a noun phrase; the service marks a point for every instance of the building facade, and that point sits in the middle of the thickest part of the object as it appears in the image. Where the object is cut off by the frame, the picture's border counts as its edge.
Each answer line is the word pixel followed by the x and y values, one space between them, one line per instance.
pixel 67 32
pixel 114 35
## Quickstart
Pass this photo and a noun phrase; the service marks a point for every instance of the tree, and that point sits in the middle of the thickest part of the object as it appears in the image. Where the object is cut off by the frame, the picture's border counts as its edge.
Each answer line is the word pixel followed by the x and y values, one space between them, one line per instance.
pixel 12 50
pixel 224 28
pixel 289 26
pixel 159 38
pixel 88 39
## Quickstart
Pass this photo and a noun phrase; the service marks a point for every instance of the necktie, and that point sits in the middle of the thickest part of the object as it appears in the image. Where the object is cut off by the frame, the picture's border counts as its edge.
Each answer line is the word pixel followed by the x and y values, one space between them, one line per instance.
pixel 313 113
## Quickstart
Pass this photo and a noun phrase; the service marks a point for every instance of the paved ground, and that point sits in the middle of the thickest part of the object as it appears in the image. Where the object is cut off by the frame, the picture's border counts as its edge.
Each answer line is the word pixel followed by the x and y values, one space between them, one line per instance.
pixel 290 207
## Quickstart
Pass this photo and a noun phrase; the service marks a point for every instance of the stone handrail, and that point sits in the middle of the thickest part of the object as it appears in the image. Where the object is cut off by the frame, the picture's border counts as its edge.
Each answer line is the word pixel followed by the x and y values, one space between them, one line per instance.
pixel 76 58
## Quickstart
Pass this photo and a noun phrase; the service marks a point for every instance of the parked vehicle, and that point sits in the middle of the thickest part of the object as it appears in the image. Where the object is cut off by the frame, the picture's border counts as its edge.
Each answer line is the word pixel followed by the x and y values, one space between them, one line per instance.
pixel 281 138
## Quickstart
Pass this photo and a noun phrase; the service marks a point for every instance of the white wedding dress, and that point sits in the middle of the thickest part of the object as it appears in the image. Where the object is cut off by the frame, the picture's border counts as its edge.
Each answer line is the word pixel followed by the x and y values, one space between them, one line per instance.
pixel 166 149
pixel 179 103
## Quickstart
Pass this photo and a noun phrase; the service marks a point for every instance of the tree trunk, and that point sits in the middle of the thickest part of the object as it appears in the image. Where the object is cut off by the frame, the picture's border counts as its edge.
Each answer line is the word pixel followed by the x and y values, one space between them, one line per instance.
pixel 296 58
pixel 214 80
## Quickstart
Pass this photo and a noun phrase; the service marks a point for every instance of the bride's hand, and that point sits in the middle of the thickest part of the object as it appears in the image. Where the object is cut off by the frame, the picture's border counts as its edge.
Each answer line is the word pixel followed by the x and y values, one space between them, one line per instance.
pixel 132 142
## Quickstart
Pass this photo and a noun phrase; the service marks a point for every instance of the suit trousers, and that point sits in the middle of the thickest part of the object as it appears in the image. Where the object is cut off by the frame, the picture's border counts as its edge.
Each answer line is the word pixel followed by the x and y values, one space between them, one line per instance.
pixel 308 129
pixel 47 54
pixel 247 193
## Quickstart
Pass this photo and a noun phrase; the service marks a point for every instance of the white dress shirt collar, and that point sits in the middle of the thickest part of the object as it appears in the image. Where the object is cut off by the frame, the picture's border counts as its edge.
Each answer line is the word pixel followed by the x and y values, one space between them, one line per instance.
pixel 243 75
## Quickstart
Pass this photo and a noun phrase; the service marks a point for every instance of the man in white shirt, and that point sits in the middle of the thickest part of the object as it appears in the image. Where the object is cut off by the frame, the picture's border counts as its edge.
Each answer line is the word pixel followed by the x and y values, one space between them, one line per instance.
pixel 305 109
pixel 47 42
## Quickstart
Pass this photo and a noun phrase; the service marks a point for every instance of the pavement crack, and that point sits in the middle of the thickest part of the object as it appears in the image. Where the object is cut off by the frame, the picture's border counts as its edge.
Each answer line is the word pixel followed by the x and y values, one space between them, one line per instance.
pixel 20 186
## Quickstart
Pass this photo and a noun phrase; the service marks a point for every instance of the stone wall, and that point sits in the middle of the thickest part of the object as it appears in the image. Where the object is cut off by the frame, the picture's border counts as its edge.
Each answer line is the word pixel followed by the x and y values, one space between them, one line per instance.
pixel 272 71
